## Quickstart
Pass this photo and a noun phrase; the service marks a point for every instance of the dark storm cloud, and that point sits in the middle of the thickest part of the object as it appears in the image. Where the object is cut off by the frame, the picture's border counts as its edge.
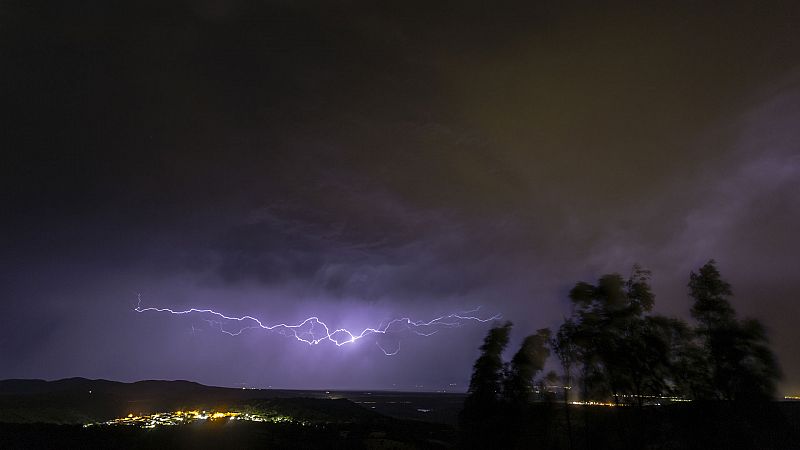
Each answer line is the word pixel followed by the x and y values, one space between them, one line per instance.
pixel 371 160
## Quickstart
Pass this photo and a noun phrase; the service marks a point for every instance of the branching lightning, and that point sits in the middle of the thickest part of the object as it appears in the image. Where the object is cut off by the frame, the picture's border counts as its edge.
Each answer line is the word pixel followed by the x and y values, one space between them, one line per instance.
pixel 313 331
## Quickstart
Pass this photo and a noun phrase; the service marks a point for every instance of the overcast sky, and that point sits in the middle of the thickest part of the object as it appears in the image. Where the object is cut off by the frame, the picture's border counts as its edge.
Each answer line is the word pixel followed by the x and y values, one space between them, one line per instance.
pixel 372 160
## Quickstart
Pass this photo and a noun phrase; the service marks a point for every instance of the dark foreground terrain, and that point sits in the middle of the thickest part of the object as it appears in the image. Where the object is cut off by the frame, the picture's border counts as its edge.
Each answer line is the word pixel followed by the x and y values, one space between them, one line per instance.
pixel 39 414
pixel 233 435
pixel 696 425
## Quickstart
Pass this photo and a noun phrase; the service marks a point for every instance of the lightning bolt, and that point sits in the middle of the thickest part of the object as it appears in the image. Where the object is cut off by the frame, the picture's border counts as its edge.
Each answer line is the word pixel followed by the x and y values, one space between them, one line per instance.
pixel 313 331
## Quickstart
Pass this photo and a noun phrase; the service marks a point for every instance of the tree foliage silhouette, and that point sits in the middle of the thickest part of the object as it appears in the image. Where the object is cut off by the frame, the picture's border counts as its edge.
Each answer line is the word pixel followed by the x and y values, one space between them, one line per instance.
pixel 565 347
pixel 500 393
pixel 486 383
pixel 620 350
pixel 526 363
pixel 482 413
pixel 614 348
pixel 737 353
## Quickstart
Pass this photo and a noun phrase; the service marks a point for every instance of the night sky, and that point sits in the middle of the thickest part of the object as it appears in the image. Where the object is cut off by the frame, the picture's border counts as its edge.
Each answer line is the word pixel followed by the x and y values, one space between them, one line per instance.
pixel 361 161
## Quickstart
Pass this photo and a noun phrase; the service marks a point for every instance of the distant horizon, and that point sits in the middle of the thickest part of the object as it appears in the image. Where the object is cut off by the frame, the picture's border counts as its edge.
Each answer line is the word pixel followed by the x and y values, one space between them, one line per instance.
pixel 340 389
pixel 785 396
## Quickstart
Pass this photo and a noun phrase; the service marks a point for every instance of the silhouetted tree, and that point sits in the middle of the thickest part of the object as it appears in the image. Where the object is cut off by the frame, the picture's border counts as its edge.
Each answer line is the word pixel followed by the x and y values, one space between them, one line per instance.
pixel 498 410
pixel 613 346
pixel 526 363
pixel 565 348
pixel 609 329
pixel 690 371
pixel 710 292
pixel 487 376
pixel 740 362
pixel 485 386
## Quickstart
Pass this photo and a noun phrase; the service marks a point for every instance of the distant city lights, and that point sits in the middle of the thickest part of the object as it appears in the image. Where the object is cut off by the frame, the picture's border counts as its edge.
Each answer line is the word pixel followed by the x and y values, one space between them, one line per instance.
pixel 186 417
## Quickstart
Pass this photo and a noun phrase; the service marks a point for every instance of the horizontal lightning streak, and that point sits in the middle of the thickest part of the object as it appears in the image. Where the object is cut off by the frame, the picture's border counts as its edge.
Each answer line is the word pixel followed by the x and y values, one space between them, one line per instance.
pixel 339 336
